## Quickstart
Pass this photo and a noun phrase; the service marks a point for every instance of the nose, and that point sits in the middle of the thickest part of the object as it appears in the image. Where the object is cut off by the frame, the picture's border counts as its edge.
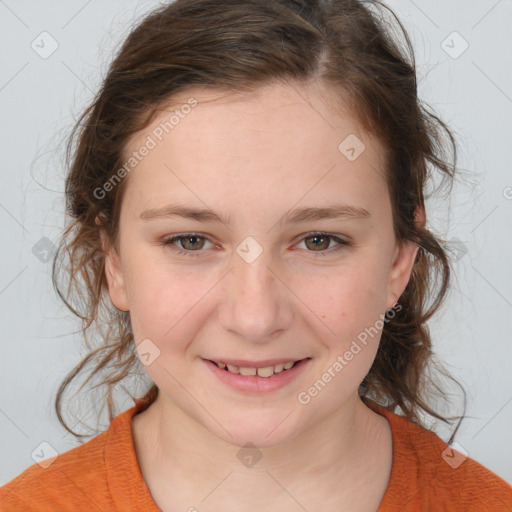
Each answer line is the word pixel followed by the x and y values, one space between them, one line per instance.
pixel 255 303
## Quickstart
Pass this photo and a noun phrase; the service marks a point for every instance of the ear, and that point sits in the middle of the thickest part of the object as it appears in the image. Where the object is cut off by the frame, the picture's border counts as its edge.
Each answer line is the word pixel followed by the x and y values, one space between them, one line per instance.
pixel 114 274
pixel 403 262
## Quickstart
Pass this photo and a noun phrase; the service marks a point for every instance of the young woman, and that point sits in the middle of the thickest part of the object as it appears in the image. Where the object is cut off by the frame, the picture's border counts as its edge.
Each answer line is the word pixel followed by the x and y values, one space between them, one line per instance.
pixel 247 194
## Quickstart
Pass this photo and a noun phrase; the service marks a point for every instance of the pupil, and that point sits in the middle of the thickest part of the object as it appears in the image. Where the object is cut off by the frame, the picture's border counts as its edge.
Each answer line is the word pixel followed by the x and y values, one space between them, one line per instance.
pixel 191 239
pixel 318 239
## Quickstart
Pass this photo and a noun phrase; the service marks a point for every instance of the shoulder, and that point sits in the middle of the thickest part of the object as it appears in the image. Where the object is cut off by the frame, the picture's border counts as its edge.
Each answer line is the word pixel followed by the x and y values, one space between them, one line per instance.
pixel 74 480
pixel 61 482
pixel 431 475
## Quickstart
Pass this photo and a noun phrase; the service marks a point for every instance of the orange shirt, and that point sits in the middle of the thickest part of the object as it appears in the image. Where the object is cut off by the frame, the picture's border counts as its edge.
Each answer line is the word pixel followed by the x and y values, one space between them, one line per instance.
pixel 103 475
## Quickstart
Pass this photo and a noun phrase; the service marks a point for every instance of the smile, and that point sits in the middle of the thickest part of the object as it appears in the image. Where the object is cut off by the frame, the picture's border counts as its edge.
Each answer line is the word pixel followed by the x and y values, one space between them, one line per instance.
pixel 265 371
pixel 263 377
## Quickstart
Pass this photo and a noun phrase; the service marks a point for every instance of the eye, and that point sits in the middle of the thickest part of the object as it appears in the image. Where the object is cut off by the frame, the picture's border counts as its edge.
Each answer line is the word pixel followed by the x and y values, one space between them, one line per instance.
pixel 322 241
pixel 192 243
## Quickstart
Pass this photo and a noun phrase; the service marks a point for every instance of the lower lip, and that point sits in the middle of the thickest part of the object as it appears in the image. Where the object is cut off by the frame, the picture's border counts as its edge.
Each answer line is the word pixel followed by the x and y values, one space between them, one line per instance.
pixel 254 383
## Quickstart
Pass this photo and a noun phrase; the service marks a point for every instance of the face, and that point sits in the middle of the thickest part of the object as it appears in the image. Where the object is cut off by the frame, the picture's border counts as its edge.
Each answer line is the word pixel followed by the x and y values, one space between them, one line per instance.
pixel 266 276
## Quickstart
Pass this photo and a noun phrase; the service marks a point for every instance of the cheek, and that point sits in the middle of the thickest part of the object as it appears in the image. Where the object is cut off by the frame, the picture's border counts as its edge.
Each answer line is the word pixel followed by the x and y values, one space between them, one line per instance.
pixel 347 299
pixel 351 307
pixel 165 302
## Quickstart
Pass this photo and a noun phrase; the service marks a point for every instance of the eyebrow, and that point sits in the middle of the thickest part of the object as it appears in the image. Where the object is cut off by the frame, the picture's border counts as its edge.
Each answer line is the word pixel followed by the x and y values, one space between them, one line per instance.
pixel 335 211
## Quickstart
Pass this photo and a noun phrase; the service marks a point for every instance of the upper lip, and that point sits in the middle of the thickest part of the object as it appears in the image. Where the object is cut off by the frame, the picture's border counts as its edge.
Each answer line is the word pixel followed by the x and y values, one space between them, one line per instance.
pixel 243 363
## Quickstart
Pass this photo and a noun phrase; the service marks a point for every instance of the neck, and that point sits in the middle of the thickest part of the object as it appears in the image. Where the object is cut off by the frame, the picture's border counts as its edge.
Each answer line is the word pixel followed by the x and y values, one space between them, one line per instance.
pixel 332 456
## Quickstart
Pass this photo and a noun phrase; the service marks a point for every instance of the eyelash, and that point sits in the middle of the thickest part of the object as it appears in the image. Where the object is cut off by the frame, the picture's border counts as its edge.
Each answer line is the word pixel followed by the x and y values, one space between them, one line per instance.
pixel 193 254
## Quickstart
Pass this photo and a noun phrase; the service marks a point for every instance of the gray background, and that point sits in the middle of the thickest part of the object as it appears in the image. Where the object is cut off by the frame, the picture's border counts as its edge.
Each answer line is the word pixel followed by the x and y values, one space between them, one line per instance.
pixel 41 97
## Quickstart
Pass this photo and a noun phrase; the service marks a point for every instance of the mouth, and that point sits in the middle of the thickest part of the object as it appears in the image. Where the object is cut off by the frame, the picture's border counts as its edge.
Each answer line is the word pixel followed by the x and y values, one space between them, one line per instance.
pixel 256 378
pixel 265 369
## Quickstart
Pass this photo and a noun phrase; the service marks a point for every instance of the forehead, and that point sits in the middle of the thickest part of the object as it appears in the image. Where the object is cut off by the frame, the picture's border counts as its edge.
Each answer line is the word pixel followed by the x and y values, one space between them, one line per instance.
pixel 278 140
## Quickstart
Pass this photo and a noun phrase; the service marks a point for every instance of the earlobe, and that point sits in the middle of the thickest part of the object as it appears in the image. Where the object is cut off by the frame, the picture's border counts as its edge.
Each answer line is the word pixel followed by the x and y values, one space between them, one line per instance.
pixel 114 275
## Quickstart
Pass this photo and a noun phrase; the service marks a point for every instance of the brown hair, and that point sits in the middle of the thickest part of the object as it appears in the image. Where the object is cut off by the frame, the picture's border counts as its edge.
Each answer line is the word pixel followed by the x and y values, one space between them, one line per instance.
pixel 240 45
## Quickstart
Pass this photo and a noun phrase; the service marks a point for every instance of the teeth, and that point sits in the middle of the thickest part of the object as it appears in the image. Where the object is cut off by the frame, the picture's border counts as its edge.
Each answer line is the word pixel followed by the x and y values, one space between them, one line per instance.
pixel 247 371
pixel 267 371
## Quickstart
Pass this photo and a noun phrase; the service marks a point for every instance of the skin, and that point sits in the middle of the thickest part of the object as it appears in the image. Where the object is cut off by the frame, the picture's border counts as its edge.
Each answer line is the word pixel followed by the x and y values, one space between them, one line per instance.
pixel 254 158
